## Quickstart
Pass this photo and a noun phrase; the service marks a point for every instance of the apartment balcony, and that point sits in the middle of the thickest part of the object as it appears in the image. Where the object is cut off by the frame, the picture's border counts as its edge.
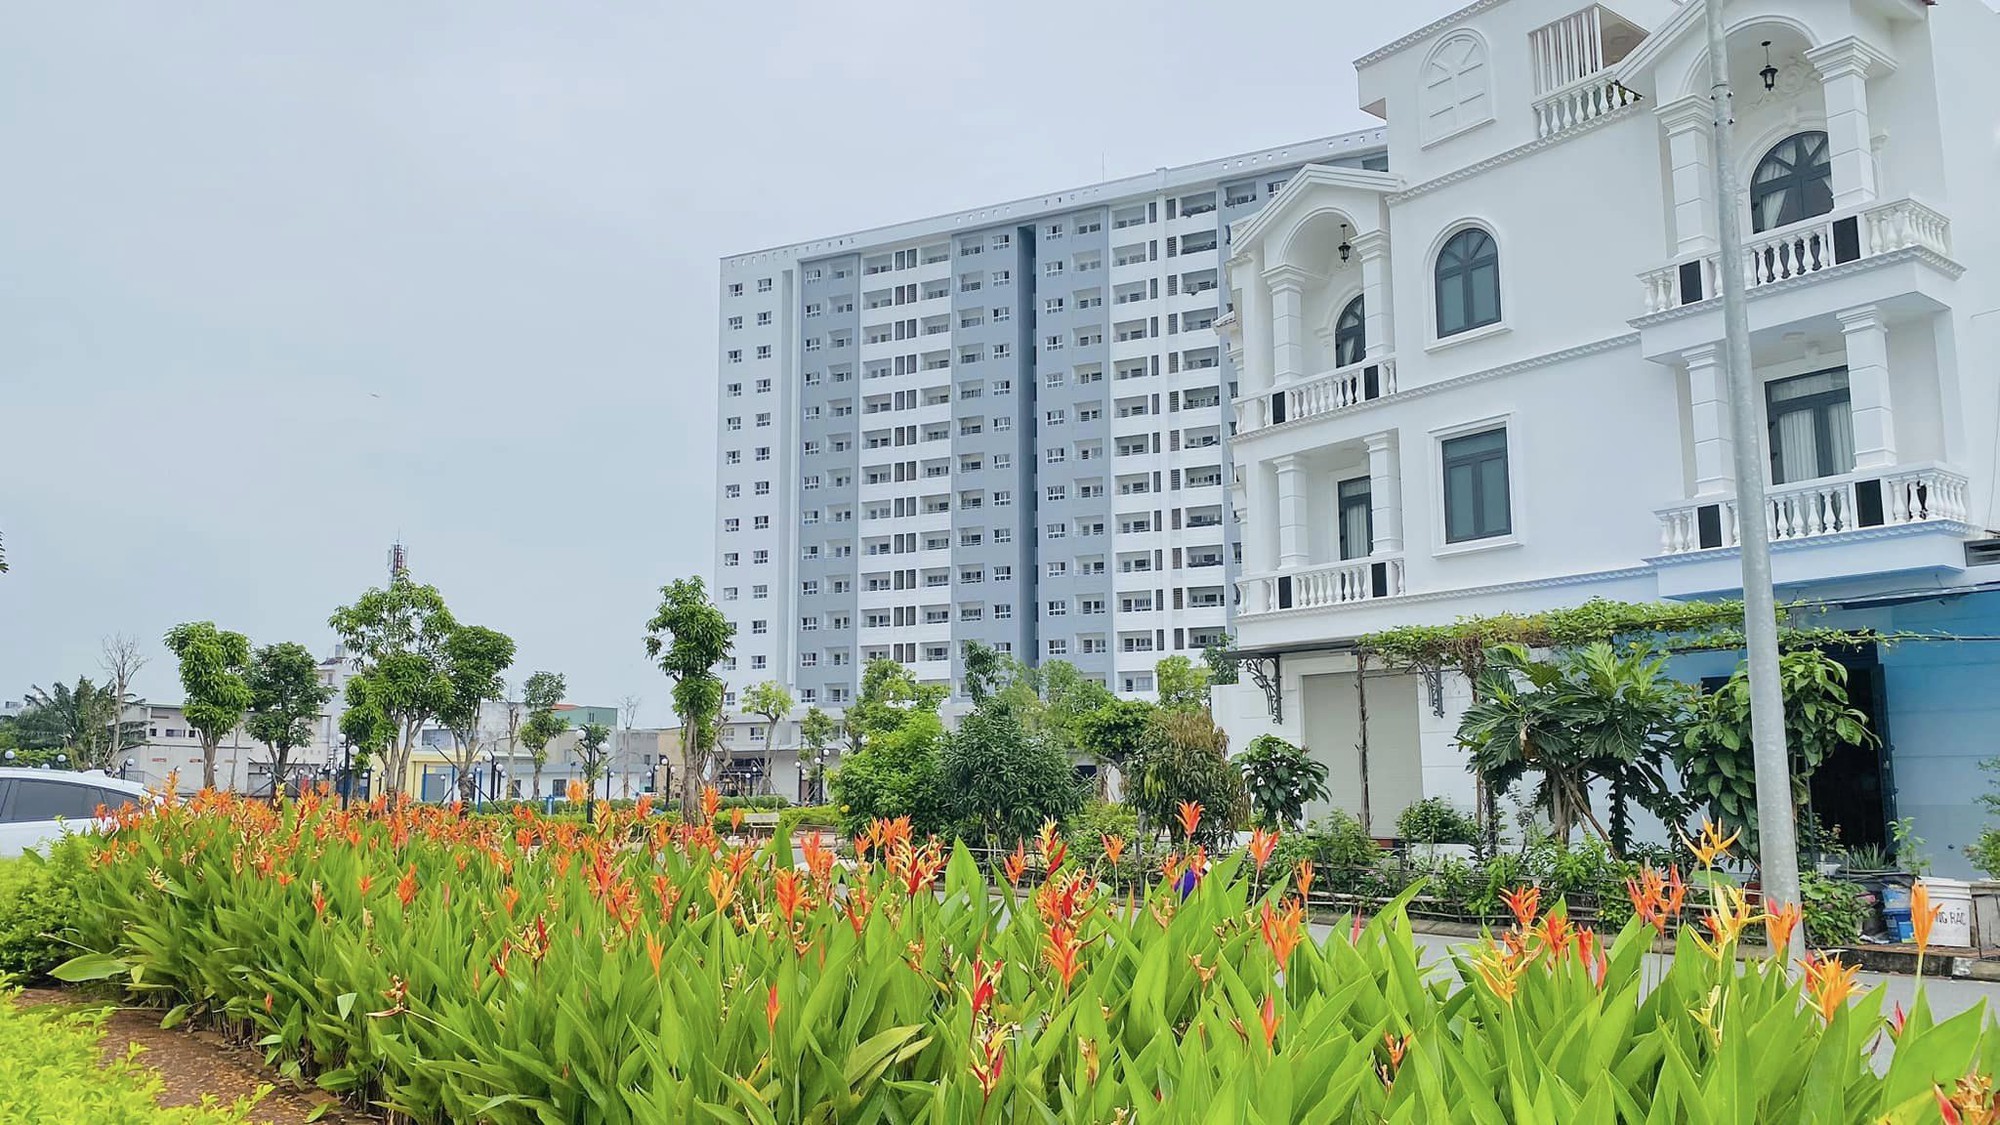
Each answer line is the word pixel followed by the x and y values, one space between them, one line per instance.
pixel 1905 519
pixel 1572 59
pixel 1328 392
pixel 1323 585
pixel 1895 254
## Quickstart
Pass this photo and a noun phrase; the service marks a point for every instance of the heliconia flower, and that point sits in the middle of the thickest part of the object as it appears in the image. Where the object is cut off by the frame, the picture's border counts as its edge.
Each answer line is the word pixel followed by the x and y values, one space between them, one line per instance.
pixel 365 883
pixel 1557 933
pixel 1398 1046
pixel 644 807
pixel 1305 879
pixel 1922 915
pixel 985 979
pixel 318 899
pixel 771 1012
pixel 406 887
pixel 1525 903
pixel 1713 846
pixel 1189 815
pixel 1114 848
pixel 1262 844
pixel 1269 1018
pixel 1282 930
pixel 1830 983
pixel 711 800
pixel 788 894
pixel 1049 843
pixel 739 862
pixel 575 791
pixel 857 908
pixel 1015 865
pixel 1778 930
pixel 1063 952
pixel 720 888
pixel 654 951
pixel 1897 1019
pixel 989 1058
pixel 736 819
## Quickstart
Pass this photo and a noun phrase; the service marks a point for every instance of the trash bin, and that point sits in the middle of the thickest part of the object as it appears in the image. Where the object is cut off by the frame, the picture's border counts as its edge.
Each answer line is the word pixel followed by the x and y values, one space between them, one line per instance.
pixel 1953 900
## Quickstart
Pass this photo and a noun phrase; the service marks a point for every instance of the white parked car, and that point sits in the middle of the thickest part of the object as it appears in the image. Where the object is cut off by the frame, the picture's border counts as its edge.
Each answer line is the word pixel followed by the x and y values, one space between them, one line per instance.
pixel 38 806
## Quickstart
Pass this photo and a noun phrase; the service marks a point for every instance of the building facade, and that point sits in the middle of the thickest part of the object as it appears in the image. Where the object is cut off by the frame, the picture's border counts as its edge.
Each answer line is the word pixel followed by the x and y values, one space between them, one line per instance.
pixel 1005 425
pixel 1491 378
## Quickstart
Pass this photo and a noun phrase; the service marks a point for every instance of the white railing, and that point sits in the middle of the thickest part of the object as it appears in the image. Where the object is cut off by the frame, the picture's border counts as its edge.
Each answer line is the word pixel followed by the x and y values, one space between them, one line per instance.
pixel 1568 49
pixel 1808 247
pixel 1340 388
pixel 1826 506
pixel 1329 584
pixel 1580 103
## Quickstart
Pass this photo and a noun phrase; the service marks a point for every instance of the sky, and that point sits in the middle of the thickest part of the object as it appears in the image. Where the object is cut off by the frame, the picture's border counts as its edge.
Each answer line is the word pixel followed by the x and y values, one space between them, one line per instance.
pixel 283 284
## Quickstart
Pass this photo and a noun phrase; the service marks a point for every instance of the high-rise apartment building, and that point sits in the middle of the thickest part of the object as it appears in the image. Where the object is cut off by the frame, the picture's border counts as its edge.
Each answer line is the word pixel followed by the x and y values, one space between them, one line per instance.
pixel 1006 425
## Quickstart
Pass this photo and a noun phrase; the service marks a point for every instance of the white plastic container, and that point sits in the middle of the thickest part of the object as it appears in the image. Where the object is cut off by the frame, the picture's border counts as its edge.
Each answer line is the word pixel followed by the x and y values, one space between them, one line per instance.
pixel 1953 899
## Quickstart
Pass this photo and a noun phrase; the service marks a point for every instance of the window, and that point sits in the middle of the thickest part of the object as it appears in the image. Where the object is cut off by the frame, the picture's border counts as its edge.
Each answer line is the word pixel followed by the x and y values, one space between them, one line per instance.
pixel 760 590
pixel 1002 351
pixel 1001 498
pixel 1468 282
pixel 730 558
pixel 763 386
pixel 729 593
pixel 736 289
pixel 1053 343
pixel 1058 569
pixel 1059 607
pixel 1454 91
pixel 762 523
pixel 736 324
pixel 1052 305
pixel 1794 181
pixel 1475 487
pixel 1001 423
pixel 1055 455
pixel 36 799
pixel 736 355
pixel 759 627
pixel 1350 334
pixel 1054 231
pixel 1003 313
pixel 763 420
pixel 1058 530
pixel 1002 241
pixel 1812 426
pixel 1054 379
pixel 1054 418
pixel 758 558
pixel 1057 492
pixel 735 390
pixel 1357 521
pixel 1002 277
pixel 763 351
pixel 1003 460
pixel 1057 647
pixel 763 285
pixel 763 488
pixel 763 453
pixel 1003 572
pixel 732 491
pixel 732 423
pixel 763 318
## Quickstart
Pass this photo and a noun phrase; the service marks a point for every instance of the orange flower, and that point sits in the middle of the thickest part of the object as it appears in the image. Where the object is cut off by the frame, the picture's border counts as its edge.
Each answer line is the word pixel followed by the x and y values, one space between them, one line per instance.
pixel 819 860
pixel 364 884
pixel 1190 816
pixel 721 888
pixel 1830 983
pixel 786 888
pixel 989 1058
pixel 318 899
pixel 1063 952
pixel 1922 914
pixel 1015 865
pixel 1050 843
pixel 857 908
pixel 654 950
pixel 1282 930
pixel 1713 844
pixel 1557 933
pixel 710 802
pixel 1305 878
pixel 736 819
pixel 406 887
pixel 1269 1018
pixel 575 791
pixel 1114 848
pixel 1778 929
pixel 771 1012
pixel 1262 843
pixel 1525 902
pixel 985 980
pixel 644 807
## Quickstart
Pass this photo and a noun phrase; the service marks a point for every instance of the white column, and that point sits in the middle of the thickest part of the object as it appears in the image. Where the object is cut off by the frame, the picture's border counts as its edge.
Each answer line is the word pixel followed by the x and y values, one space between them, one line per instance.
pixel 1254 319
pixel 1288 329
pixel 1708 391
pixel 1385 493
pixel 1844 69
pixel 1291 511
pixel 1868 387
pixel 1375 303
pixel 1689 153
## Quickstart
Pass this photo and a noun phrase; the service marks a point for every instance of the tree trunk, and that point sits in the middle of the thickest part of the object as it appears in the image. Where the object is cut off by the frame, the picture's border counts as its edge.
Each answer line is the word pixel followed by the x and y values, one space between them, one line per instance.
pixel 535 793
pixel 1361 748
pixel 208 746
pixel 690 775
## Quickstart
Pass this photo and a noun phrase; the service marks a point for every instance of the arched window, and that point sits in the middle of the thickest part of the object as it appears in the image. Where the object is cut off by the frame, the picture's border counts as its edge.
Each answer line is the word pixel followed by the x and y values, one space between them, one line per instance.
pixel 1350 334
pixel 1468 282
pixel 1454 94
pixel 1794 181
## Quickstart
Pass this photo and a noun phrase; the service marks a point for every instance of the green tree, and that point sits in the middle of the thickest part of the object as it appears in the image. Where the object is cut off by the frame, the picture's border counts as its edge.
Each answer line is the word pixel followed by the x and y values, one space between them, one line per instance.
pixel 1066 695
pixel 1182 684
pixel 397 636
pixel 214 666
pixel 1113 733
pixel 689 637
pixel 540 695
pixel 1715 756
pixel 1280 778
pixel 890 696
pixel 592 752
pixel 1000 781
pixel 985 669
pixel 475 660
pixel 771 702
pixel 367 730
pixel 286 695
pixel 894 773
pixel 1186 758
pixel 817 731
pixel 1589 713
pixel 82 723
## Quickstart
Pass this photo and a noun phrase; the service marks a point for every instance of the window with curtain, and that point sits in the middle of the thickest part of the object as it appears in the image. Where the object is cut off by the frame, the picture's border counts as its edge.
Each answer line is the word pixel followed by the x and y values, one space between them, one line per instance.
pixel 1476 505
pixel 1794 181
pixel 1357 519
pixel 1350 334
pixel 1468 282
pixel 1812 426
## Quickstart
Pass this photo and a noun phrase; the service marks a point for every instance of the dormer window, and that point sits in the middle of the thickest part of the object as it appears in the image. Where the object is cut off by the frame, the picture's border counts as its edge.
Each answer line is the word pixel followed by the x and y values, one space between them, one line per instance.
pixel 1455 95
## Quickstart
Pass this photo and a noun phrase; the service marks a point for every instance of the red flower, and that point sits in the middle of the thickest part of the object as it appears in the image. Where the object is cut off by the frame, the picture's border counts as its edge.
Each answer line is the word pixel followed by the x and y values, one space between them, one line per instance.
pixel 1269 1017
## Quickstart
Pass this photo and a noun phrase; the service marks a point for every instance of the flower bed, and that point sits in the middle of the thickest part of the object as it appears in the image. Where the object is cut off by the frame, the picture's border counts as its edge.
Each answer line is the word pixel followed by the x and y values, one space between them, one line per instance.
pixel 455 969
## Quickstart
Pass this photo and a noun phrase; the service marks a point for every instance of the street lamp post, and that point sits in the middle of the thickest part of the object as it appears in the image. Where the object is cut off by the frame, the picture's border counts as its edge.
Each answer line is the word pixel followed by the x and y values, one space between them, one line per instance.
pixel 125 769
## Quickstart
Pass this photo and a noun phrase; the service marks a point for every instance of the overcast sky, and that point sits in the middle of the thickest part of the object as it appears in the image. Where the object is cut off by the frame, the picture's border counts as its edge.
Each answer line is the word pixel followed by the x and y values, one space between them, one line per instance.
pixel 280 284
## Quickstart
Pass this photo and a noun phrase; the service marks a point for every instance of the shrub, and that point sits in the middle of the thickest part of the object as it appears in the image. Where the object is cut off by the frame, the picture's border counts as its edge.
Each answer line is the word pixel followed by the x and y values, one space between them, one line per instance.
pixel 1185 759
pixel 1280 778
pixel 1833 910
pixel 894 774
pixel 1344 856
pixel 37 902
pixel 1435 820
pixel 1000 782
pixel 1985 852
pixel 51 1074
pixel 1098 819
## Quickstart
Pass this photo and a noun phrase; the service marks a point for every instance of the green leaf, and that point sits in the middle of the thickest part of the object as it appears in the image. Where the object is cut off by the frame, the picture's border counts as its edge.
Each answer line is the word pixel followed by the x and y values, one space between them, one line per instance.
pixel 89 966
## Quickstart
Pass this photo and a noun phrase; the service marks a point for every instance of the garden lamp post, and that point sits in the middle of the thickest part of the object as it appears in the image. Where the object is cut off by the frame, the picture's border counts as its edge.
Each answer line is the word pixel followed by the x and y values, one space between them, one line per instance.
pixel 125 769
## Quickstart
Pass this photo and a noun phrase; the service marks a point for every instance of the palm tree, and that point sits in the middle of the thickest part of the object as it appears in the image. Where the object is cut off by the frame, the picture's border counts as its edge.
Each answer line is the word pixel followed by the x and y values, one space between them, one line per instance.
pixel 84 722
